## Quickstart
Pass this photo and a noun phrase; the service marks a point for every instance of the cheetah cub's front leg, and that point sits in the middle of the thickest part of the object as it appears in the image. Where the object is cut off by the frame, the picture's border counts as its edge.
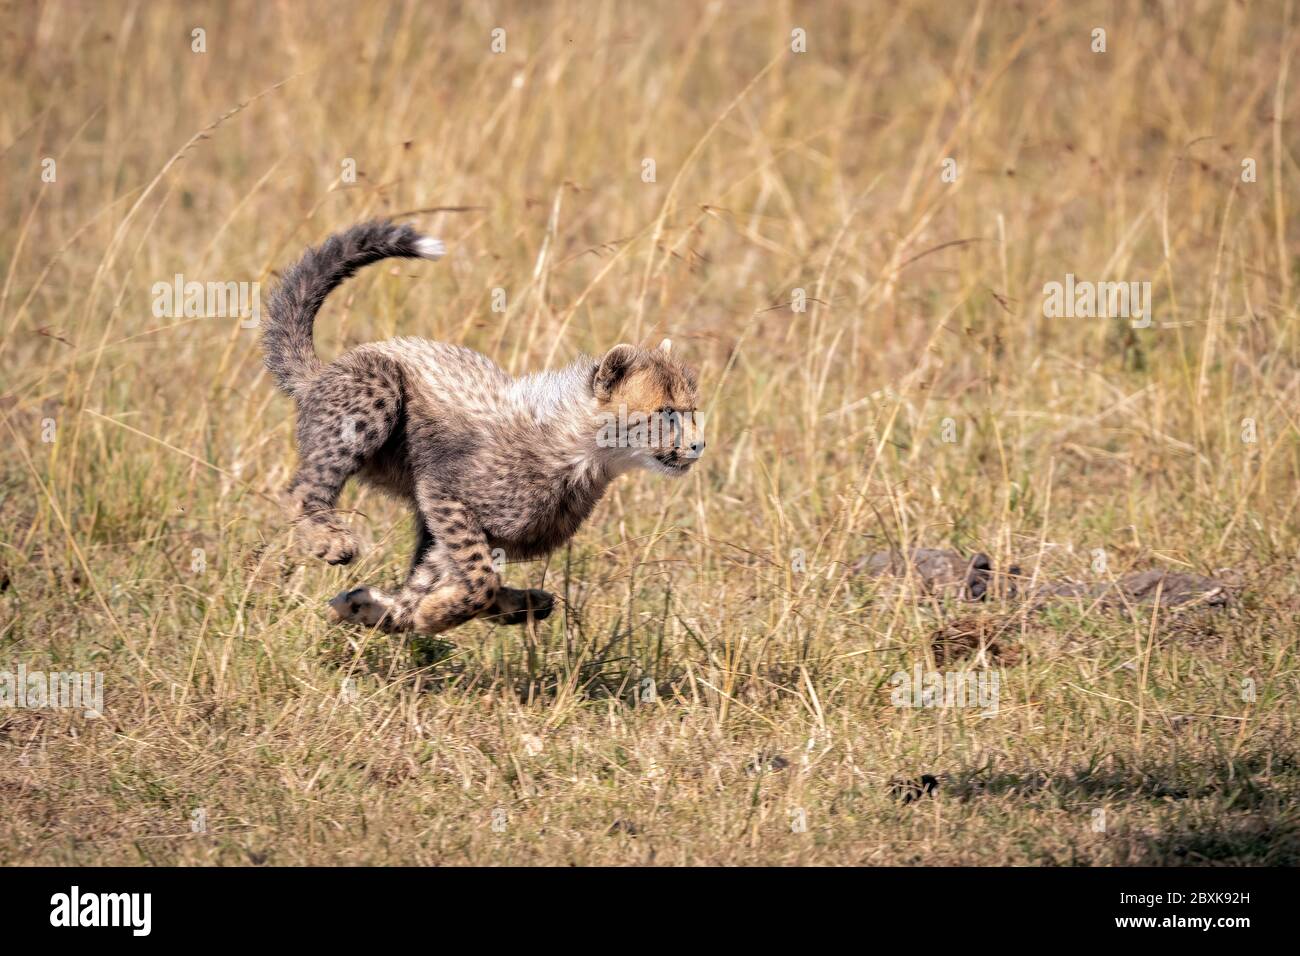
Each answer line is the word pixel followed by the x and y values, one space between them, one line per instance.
pixel 452 580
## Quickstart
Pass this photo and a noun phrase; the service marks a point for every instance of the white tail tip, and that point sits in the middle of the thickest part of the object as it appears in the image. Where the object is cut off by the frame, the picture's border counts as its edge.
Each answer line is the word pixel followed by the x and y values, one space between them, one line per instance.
pixel 430 248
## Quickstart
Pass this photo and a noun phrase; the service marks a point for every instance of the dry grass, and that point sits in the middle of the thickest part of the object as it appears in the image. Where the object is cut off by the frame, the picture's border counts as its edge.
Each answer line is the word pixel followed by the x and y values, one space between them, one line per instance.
pixel 228 692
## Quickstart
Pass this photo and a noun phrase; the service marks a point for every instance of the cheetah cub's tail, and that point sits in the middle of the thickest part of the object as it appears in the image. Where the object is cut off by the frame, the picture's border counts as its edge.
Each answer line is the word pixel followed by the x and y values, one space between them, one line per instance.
pixel 291 310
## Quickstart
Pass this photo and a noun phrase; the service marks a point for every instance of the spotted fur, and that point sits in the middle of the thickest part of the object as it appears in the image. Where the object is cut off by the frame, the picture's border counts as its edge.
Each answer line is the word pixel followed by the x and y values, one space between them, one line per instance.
pixel 493 466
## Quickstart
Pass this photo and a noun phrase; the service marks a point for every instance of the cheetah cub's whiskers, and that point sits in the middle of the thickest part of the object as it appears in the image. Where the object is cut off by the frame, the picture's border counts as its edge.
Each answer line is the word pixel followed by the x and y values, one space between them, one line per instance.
pixel 486 461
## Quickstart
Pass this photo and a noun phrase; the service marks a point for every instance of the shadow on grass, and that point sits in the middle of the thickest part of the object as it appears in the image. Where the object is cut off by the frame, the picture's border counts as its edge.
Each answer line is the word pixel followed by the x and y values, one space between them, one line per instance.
pixel 1270 838
pixel 1208 809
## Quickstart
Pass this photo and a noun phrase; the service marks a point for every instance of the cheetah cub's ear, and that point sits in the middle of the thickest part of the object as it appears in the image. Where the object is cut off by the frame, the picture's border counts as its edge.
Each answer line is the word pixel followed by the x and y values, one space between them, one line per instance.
pixel 666 346
pixel 613 368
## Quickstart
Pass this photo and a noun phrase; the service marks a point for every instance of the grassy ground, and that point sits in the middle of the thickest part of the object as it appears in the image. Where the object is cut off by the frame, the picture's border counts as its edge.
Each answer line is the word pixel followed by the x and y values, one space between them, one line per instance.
pixel 717 686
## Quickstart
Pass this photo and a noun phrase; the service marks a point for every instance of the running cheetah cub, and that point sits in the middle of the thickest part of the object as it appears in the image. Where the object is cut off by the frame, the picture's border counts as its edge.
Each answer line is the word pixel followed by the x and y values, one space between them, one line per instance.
pixel 492 465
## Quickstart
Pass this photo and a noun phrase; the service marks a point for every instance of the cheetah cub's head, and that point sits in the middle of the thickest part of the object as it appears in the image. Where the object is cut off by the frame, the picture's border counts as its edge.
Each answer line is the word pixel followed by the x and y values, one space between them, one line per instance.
pixel 647 404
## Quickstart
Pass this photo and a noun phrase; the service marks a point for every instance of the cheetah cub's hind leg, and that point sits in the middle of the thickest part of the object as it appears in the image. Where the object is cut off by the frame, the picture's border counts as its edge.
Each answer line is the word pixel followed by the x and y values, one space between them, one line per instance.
pixel 370 607
pixel 451 580
pixel 344 417
pixel 514 605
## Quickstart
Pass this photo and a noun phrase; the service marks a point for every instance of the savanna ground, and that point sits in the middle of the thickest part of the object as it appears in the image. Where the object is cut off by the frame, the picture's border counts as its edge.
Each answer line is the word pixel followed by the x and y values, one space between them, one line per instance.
pixel 715 688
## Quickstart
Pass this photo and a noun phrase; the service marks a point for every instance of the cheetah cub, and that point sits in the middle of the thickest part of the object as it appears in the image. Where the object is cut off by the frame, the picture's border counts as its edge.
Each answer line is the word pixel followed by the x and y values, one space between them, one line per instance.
pixel 492 465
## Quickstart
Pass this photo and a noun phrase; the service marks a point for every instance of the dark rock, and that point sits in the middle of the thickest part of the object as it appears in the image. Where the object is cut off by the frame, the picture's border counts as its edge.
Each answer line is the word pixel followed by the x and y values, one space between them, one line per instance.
pixel 1169 588
pixel 914 789
pixel 766 763
pixel 936 570
pixel 941 571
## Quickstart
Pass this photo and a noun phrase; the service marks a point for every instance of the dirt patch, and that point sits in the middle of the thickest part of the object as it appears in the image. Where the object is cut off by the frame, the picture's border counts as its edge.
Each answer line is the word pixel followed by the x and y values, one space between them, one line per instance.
pixel 966 637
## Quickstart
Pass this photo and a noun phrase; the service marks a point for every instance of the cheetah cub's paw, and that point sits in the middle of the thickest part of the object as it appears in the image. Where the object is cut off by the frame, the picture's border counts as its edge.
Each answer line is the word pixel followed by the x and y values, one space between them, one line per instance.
pixel 368 607
pixel 330 542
